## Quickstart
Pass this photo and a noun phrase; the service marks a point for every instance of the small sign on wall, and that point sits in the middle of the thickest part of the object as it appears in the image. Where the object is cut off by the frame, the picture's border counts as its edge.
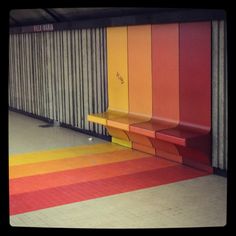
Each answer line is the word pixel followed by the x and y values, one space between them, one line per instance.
pixel 40 28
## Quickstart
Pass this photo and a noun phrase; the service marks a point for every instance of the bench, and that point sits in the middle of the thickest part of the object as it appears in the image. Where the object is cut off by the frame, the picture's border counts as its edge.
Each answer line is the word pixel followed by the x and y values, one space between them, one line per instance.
pixel 165 106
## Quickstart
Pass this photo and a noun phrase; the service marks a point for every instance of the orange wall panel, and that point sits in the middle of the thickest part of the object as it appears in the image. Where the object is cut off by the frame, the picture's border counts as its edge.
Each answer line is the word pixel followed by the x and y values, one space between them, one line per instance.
pixel 139 70
pixel 165 72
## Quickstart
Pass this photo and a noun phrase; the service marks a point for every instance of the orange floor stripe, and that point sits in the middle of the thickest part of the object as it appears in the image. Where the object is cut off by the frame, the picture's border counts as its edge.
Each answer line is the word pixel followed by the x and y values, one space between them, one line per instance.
pixel 73 163
pixel 38 182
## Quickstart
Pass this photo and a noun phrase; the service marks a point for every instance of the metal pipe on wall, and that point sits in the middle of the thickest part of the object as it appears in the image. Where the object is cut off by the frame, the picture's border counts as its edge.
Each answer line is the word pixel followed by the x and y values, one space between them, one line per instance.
pixel 219 96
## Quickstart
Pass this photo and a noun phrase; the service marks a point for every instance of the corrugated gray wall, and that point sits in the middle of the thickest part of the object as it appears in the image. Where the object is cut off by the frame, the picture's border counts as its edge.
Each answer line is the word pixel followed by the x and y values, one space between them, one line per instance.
pixel 219 96
pixel 61 75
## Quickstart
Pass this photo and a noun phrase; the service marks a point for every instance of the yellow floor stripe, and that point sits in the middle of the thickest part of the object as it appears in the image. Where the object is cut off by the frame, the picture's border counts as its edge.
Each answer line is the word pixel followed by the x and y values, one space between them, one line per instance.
pixel 69 152
pixel 73 163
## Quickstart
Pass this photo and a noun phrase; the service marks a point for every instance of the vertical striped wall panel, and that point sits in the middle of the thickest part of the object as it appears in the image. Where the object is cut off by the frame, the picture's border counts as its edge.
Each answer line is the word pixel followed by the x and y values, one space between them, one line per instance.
pixel 219 96
pixel 60 75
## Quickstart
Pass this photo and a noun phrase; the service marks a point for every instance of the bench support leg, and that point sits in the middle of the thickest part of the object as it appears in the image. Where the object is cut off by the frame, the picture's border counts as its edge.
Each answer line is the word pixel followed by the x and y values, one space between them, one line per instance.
pixel 186 155
pixel 122 142
pixel 143 148
pixel 196 159
pixel 141 143
pixel 167 150
pixel 119 137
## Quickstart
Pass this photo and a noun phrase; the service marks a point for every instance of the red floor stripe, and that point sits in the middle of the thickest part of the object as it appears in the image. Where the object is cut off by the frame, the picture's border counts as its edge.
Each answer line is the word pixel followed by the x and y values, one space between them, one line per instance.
pixel 41 199
pixel 38 182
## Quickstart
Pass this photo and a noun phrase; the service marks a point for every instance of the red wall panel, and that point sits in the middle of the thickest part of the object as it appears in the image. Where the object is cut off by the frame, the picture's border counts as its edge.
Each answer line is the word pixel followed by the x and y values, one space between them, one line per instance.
pixel 165 72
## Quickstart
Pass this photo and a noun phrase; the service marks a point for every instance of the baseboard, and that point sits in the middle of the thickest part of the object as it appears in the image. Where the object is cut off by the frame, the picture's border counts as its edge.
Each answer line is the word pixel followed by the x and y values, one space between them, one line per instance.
pixel 218 171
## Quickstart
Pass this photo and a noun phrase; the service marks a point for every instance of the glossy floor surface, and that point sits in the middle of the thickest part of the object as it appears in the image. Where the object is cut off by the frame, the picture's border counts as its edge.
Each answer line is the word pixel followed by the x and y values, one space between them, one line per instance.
pixel 62 178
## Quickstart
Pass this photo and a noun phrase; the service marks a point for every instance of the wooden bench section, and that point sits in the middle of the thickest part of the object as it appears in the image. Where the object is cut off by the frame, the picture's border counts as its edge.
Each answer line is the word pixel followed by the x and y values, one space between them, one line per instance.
pixel 165 86
pixel 128 48
pixel 162 103
pixel 139 80
pixel 117 80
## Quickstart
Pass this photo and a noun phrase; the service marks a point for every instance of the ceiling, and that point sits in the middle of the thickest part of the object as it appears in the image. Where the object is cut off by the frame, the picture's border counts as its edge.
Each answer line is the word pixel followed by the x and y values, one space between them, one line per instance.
pixel 24 17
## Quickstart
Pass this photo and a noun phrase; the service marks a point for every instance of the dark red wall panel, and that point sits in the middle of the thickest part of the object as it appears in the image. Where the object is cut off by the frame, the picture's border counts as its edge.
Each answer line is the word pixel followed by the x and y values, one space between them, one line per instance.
pixel 195 74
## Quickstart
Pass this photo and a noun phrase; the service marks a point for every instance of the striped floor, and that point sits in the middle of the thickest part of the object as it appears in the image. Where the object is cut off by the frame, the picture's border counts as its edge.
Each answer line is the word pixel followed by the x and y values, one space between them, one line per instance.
pixel 46 179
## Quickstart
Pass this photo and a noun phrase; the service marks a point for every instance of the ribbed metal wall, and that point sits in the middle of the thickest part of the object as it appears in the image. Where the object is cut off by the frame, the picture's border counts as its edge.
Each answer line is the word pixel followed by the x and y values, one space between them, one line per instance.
pixel 60 75
pixel 219 96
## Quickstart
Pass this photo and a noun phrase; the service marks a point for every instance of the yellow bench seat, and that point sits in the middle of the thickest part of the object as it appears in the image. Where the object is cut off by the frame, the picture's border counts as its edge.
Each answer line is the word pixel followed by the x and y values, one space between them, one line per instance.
pixel 116 119
pixel 101 118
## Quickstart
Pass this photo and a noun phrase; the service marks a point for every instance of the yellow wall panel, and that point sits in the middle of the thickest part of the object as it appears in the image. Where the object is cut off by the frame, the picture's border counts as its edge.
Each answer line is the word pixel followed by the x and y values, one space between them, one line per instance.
pixel 117 68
